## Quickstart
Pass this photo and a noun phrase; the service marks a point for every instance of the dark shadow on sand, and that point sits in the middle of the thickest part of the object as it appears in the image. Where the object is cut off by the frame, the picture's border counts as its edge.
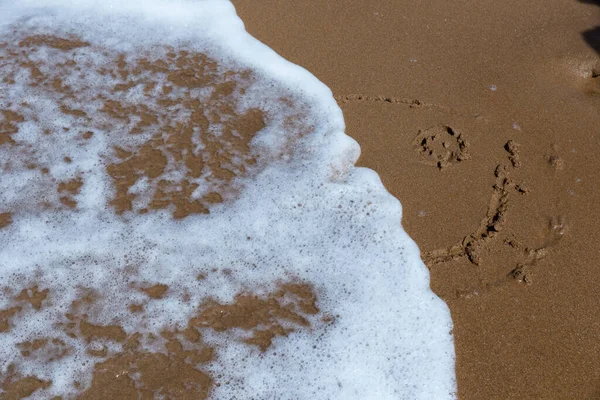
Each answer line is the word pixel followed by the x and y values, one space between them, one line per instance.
pixel 592 36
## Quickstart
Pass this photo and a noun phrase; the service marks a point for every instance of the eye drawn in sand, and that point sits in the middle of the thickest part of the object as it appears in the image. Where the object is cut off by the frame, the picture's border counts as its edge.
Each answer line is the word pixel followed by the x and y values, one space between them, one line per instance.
pixel 441 146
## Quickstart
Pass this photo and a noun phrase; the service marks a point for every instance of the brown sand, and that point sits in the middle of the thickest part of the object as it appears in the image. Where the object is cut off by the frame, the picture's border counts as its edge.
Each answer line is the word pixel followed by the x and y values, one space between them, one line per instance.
pixel 482 118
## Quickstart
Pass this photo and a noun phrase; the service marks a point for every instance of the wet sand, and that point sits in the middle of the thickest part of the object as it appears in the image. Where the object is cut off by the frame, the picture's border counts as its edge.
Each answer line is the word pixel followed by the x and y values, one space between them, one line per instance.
pixel 177 372
pixel 482 118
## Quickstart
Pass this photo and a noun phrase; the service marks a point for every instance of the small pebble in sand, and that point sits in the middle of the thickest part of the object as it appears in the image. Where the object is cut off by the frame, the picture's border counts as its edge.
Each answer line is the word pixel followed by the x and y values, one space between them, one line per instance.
pixel 516 126
pixel 493 88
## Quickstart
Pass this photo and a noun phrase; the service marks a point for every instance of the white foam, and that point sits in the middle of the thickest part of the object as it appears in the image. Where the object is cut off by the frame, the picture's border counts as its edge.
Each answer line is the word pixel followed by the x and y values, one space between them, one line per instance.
pixel 391 338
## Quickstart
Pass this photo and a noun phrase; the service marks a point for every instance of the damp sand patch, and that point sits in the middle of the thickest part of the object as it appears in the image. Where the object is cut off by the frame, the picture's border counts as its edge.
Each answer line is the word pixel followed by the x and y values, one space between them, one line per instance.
pixel 181 217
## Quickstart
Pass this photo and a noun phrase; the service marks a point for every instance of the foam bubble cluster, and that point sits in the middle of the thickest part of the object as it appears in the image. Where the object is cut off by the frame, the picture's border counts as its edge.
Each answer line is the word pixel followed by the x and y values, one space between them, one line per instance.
pixel 181 217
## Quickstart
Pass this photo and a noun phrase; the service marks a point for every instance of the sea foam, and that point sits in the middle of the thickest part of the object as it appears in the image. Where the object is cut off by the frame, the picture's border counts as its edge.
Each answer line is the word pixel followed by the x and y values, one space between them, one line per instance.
pixel 171 184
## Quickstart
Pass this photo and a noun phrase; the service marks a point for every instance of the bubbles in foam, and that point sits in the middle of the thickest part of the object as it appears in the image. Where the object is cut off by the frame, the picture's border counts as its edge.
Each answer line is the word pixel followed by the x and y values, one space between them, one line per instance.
pixel 180 216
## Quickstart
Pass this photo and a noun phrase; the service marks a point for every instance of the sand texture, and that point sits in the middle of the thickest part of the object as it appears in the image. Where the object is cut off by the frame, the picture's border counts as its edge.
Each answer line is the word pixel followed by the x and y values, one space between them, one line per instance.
pixel 482 117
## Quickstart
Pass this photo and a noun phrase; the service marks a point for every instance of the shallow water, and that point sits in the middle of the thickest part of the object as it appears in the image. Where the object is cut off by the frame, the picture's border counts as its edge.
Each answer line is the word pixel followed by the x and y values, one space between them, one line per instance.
pixel 181 217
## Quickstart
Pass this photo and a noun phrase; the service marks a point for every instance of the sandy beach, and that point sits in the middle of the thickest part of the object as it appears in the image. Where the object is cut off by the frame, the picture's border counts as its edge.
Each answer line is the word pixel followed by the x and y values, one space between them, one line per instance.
pixel 504 214
pixel 181 217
